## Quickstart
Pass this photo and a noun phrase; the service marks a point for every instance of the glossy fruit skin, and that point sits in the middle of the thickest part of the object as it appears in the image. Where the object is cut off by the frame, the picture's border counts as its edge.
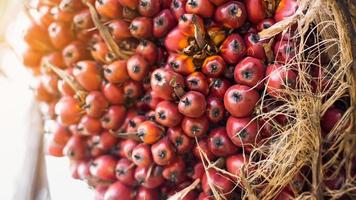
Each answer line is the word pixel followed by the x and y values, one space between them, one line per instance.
pixel 161 83
pixel 148 50
pixel 137 67
pixel 82 20
pixel 181 63
pixel 89 126
pixel 163 23
pixel 163 152
pixel 221 182
pixel 109 8
pixel 73 53
pixel 264 24
pixel 197 81
pixel 55 58
pixel 141 28
pixel 285 8
pixel 59 34
pixel 215 110
pixel 203 145
pixel 256 10
pixel 195 127
pixel 200 7
pixel 125 172
pixel 118 191
pixel 99 192
pixel 250 71
pixel 219 87
pixel 167 114
pixel 255 46
pixel 234 164
pixel 68 110
pixel 231 14
pixel 75 148
pixel 113 93
pixel 100 52
pixel 141 155
pixel 178 8
pixel 144 193
pixel 240 100
pixel 176 41
pixel 54 149
pixel 119 29
pixel 148 8
pixel 113 118
pixel 330 118
pixel 242 131
pixel 132 4
pixel 181 142
pixel 149 132
pixel 278 77
pixel 31 58
pixel 213 66
pixel 174 170
pixel 233 48
pixel 186 23
pixel 192 104
pixel 103 167
pixel 60 134
pixel 219 143
pixel 95 104
pixel 105 140
pixel 87 74
pixel 116 72
pixel 134 123
pixel 127 147
pixel 153 181
pixel 132 90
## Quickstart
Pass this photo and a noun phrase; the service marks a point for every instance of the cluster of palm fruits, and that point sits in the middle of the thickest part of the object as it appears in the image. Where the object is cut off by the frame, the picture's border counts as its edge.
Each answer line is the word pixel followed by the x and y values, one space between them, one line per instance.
pixel 141 93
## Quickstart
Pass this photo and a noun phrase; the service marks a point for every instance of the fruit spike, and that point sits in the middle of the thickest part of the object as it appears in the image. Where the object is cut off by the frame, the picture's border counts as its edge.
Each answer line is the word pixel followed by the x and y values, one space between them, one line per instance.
pixel 120 134
pixel 104 32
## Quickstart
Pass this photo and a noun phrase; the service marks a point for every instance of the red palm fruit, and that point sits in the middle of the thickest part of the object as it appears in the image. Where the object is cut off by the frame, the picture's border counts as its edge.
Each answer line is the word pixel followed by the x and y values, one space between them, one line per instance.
pixel 137 67
pixel 181 142
pixel 148 50
pixel 204 196
pixel 133 123
pixel 152 180
pixel 141 28
pixel 219 181
pixel 218 2
pixel 174 170
pixel 109 8
pixel 149 132
pixel 100 52
pixel 70 5
pixel 132 89
pixel 68 110
pixel 45 17
pixel 73 168
pixel 198 171
pixel 54 149
pixel 219 143
pixel 114 93
pixel 150 115
pixel 167 114
pixel 218 87
pixel 284 51
pixel 99 192
pixel 61 15
pixel 161 83
pixel 149 101
pixel 50 83
pixel 95 104
pixel 242 131
pixel 59 34
pixel 192 104
pixel 103 167
pixel 113 118
pixel 132 4
pixel 231 15
pixel 119 190
pixel 187 25
pixel 141 155
pixel 181 64
pixel 251 72
pixel 127 147
pixel 105 140
pixel 89 126
pixel 163 152
pixel 233 49
pixel 216 33
pixel 265 24
pixel 83 170
pixel 82 20
pixel 195 127
pixel 55 58
pixel 119 29
pixel 197 81
pixel 203 146
pixel 165 3
pixel 148 8
pixel 65 89
pixel 254 46
pixel 213 66
pixel 163 23
pixel 76 148
pixel 256 10
pixel 42 94
pixel 32 58
pixel 131 113
pixel 178 8
pixel 200 7
pixel 125 172
pixel 60 134
pixel 234 163
pixel 88 75
pixel 37 38
pixel 240 100
pixel 331 118
pixel 285 8
pixel 74 52
pixel 176 41
pixel 116 72
pixel 279 77
pixel 144 193
pixel 215 110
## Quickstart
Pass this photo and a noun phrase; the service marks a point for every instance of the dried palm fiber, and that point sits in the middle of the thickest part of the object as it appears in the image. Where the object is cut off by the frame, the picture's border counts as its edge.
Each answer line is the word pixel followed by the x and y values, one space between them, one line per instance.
pixel 299 145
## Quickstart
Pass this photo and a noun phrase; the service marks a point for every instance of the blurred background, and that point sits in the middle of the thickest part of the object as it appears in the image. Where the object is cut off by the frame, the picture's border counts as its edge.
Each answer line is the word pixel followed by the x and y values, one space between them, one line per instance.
pixel 20 134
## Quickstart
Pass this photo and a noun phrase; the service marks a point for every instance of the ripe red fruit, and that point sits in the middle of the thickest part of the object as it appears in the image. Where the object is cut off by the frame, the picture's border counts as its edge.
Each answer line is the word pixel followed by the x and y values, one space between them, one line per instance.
pixel 32 58
pixel 240 100
pixel 215 110
pixel 279 78
pixel 219 143
pixel 250 71
pixel 201 7
pixel 284 51
pixel 144 193
pixel 331 117
pixel 152 180
pixel 141 155
pixel 141 28
pixel 148 50
pixel 192 104
pixel 99 192
pixel 118 190
pixel 114 93
pixel 149 132
pixel 254 46
pixel 60 134
pixel 285 8
pixel 116 72
pixel 76 148
pixel 213 66
pixel 195 127
pixel 95 104
pixel 88 75
pixel 231 15
pixel 197 81
pixel 148 8
pixel 181 142
pixel 55 58
pixel 242 131
pixel 175 170
pixel 73 53
pixel 132 4
pixel 137 67
pixel 163 152
pixel 83 170
pixel 176 41
pixel 178 8
pixel 100 52
pixel 70 5
pixel 125 172
pixel 204 196
pixel 265 24
pixel 109 8
pixel 256 10
pixel 59 34
pixel 54 149
pixel 163 23
pixel 126 148
pixel 218 87
pixel 89 125
pixel 234 163
pixel 133 123
pixel 181 63
pixel 167 114
pixel 221 182
pixel 104 141
pixel 187 23
pixel 68 110
pixel 161 83
pixel 203 146
pixel 113 118
pixel 132 90
pixel 37 38
pixel 119 29
pixel 233 48
pixel 82 20
pixel 103 167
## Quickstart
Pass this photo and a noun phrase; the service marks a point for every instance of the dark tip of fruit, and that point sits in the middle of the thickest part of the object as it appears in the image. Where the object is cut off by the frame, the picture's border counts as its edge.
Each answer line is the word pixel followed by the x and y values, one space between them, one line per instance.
pixel 192 3
pixel 255 38
pixel 158 77
pixel 195 129
pixel 243 133
pixel 186 101
pixel 100 2
pixel 217 142
pixel 162 115
pixel 144 43
pixel 136 157
pixel 235 44
pixel 140 133
pixel 71 154
pixel 136 69
pixel 213 67
pixel 233 9
pixel 183 18
pixel 143 3
pixel 120 172
pixel 105 119
pixel 160 21
pixel 132 123
pixel 162 154
pixel 217 83
pixel 133 27
pixel 178 141
pixel 247 74
pixel 265 26
pixel 108 70
pixel 68 54
pixel 78 67
pixel 215 112
pixel 236 96
pixel 193 81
